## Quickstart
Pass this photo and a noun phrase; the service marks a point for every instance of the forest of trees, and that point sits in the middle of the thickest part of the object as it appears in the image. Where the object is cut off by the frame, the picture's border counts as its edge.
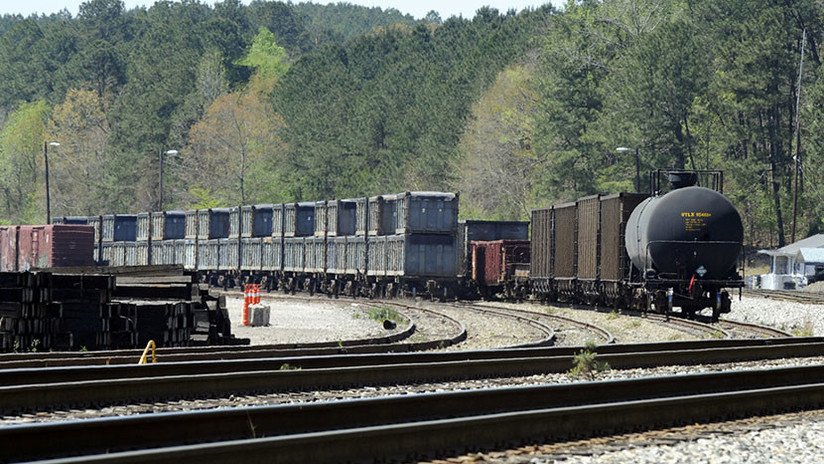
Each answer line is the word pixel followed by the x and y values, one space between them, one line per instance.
pixel 274 101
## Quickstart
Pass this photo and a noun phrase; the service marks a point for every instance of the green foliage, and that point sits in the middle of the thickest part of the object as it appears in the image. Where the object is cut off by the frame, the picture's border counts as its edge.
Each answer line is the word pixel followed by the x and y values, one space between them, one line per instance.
pixel 203 198
pixel 343 21
pixel 21 163
pixel 585 363
pixel 496 159
pixel 389 108
pixel 383 314
pixel 267 58
pixel 805 330
pixel 306 101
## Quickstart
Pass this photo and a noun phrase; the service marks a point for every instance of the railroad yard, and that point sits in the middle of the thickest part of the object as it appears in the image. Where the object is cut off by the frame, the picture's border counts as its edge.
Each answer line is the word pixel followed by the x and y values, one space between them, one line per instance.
pixel 461 382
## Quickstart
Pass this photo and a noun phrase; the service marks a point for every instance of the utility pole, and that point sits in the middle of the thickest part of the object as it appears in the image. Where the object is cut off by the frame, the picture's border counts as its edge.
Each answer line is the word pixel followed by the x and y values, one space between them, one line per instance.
pixel 797 157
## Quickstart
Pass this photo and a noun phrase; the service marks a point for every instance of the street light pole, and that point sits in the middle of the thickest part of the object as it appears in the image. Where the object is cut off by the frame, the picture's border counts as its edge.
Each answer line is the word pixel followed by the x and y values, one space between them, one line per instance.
pixel 169 152
pixel 637 165
pixel 46 146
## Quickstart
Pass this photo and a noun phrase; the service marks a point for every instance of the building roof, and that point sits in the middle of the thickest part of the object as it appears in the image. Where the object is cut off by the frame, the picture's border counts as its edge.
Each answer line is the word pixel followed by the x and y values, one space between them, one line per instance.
pixel 815 241
pixel 811 255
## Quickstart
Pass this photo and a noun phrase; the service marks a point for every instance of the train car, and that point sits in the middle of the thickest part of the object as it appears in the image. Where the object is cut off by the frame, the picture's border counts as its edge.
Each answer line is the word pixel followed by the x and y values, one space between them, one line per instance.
pixel 501 268
pixel 685 244
pixel 44 246
pixel 675 248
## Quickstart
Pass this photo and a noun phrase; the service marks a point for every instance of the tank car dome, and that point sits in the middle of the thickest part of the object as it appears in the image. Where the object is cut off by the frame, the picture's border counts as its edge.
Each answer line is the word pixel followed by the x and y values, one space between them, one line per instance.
pixel 688 231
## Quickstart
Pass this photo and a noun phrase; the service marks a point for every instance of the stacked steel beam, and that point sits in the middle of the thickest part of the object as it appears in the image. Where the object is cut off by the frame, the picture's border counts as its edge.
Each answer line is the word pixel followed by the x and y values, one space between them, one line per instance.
pixel 49 311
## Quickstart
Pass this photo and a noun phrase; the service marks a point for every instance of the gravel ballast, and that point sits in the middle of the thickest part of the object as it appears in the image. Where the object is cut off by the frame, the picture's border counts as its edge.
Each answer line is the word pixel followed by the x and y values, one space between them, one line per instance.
pixel 799 319
pixel 300 321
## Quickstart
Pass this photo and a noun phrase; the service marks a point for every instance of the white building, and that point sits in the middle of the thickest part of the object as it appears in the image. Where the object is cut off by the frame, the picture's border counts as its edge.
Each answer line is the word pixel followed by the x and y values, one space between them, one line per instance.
pixel 794 265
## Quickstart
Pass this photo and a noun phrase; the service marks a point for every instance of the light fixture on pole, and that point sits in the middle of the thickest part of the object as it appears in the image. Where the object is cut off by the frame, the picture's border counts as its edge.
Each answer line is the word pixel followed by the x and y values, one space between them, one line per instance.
pixel 637 165
pixel 162 153
pixel 46 146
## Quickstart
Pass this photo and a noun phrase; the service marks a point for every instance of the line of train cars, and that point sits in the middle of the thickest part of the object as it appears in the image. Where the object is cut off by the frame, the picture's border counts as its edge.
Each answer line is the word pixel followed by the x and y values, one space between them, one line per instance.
pixel 410 243
pixel 675 248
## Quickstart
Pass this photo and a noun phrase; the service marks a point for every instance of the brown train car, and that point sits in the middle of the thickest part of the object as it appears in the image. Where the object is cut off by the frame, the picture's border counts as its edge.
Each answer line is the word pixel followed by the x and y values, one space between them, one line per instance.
pixel 543 226
pixel 8 248
pixel 588 246
pixel 501 267
pixel 45 246
pixel 615 210
pixel 565 251
pixel 578 251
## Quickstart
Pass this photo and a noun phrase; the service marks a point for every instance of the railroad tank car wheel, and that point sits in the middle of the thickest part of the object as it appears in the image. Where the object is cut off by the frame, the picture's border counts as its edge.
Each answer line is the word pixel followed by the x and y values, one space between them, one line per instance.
pixel 726 302
pixel 309 285
pixel 660 301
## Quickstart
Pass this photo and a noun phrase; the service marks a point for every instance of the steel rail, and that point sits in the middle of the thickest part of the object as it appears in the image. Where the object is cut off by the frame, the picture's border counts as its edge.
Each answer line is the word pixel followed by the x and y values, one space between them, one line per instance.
pixel 38 397
pixel 549 332
pixel 27 376
pixel 602 332
pixel 388 344
pixel 678 321
pixel 398 427
pixel 757 328
pixel 788 295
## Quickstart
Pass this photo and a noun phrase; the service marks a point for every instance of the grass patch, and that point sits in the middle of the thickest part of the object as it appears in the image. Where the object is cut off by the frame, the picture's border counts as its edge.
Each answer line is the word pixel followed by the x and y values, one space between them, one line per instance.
pixel 805 330
pixel 634 324
pixel 586 365
pixel 383 314
pixel 613 315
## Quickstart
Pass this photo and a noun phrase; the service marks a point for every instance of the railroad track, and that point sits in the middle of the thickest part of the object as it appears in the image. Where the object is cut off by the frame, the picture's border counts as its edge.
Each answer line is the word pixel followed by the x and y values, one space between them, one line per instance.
pixel 695 327
pixel 425 425
pixel 450 331
pixel 548 332
pixel 602 335
pixel 788 295
pixel 747 330
pixel 704 327
pixel 47 389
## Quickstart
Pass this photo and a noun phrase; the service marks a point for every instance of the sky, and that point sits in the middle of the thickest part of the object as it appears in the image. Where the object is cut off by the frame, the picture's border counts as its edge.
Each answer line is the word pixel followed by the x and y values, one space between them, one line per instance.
pixel 417 8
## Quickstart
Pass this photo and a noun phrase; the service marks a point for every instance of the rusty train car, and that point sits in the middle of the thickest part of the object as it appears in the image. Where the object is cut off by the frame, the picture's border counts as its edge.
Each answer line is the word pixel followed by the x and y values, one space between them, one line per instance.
pixel 39 246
